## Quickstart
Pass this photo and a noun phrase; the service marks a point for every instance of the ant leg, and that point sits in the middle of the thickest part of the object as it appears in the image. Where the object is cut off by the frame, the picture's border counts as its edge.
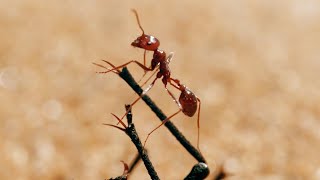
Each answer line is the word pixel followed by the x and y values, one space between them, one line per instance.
pixel 134 102
pixel 174 98
pixel 114 71
pixel 125 64
pixel 198 123
pixel 166 120
pixel 144 60
pixel 176 81
pixel 144 63
pixel 175 86
pixel 119 121
pixel 163 122
pixel 156 70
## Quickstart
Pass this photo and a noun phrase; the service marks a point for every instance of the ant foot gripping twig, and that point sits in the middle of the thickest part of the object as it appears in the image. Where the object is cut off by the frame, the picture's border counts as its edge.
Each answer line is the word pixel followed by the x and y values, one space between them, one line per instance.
pixel 119 121
pixel 114 70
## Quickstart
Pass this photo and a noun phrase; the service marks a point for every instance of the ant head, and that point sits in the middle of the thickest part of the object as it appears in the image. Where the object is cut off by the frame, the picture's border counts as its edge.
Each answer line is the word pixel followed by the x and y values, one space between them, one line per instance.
pixel 146 42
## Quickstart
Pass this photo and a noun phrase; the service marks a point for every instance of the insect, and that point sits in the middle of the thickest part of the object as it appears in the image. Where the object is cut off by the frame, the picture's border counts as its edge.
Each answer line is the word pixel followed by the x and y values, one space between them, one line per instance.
pixel 188 101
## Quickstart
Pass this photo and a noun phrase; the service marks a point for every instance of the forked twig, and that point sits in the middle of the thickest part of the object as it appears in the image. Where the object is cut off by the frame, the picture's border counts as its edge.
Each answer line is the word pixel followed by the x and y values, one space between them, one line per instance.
pixel 132 133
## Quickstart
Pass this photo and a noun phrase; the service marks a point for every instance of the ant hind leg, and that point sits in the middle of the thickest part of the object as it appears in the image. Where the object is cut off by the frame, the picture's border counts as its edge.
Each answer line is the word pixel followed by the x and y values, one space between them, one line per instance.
pixel 162 123
pixel 198 124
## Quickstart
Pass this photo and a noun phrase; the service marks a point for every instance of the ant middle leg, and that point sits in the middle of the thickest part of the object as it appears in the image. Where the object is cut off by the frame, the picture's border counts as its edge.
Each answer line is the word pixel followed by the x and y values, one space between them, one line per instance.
pixel 142 94
pixel 145 82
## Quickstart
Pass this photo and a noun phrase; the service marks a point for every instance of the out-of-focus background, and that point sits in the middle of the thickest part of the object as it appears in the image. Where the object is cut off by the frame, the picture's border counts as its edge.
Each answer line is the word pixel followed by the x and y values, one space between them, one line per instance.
pixel 254 64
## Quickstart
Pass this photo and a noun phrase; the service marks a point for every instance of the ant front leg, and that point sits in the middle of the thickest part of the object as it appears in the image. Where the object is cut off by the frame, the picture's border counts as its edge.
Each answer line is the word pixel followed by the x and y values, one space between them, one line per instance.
pixel 114 71
pixel 119 121
pixel 155 71
pixel 144 63
pixel 123 65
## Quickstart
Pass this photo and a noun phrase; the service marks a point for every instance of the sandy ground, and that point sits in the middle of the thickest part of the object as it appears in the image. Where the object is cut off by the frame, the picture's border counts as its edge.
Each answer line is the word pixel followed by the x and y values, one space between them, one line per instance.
pixel 254 64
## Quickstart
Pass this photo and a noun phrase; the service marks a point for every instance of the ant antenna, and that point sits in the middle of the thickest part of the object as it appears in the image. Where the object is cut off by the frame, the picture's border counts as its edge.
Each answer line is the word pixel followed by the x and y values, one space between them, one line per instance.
pixel 137 17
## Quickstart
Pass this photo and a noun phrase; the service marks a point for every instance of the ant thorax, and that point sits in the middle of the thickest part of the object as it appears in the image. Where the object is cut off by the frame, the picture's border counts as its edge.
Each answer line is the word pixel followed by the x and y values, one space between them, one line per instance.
pixel 159 56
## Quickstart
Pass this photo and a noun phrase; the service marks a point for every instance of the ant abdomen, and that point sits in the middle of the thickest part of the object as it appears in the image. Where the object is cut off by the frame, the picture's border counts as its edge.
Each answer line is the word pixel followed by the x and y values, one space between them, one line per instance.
pixel 188 101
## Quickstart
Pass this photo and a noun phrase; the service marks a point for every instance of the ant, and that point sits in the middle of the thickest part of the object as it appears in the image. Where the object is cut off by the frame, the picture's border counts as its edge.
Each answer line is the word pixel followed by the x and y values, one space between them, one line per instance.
pixel 187 101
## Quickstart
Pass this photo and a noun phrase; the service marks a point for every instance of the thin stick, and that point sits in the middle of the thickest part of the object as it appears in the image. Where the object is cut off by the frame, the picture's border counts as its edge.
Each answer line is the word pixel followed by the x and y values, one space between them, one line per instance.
pixel 132 133
pixel 135 162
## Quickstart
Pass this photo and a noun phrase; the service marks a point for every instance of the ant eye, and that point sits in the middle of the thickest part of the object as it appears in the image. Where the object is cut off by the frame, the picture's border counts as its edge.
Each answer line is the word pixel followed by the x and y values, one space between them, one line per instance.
pixel 152 40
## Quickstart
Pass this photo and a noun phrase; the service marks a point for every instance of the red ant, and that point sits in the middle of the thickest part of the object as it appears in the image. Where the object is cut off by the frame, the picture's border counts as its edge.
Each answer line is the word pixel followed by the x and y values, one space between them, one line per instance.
pixel 187 101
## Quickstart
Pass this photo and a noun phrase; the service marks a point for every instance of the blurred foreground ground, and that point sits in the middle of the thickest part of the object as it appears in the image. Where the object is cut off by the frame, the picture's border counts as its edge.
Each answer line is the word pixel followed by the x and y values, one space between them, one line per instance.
pixel 255 66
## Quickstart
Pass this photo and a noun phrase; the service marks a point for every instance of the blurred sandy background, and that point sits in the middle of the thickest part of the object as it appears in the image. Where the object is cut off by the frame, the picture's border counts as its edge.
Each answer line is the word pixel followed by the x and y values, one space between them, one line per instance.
pixel 254 64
